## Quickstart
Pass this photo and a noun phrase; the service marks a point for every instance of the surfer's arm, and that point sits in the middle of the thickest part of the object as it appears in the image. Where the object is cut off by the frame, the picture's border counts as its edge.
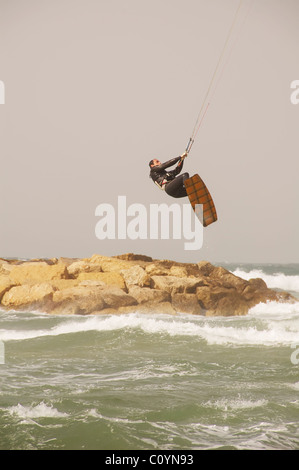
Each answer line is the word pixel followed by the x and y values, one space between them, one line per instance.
pixel 178 168
pixel 165 165
pixel 180 164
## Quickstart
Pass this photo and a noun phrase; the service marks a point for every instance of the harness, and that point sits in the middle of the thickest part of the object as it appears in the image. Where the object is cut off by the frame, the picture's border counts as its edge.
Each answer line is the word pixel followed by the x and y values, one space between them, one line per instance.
pixel 161 186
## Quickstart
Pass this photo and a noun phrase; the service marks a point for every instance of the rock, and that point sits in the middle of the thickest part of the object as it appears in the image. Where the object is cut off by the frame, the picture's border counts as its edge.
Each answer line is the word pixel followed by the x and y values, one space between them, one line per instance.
pixel 186 303
pixel 220 276
pixel 136 276
pixel 178 271
pixel 133 257
pixel 76 300
pixel 49 261
pixel 145 294
pixel 109 264
pixel 173 284
pixel 116 298
pixel 28 296
pixel 129 283
pixel 256 291
pixel 5 268
pixel 5 285
pixel 82 266
pixel 229 305
pixel 227 279
pixel 166 268
pixel 38 272
pixel 149 308
pixel 205 268
pixel 110 278
pixel 221 301
pixel 11 261
pixel 258 283
pixel 165 308
pixel 61 284
pixel 86 299
pixel 66 261
pixel 92 283
pixel 107 311
pixel 154 270
pixel 203 295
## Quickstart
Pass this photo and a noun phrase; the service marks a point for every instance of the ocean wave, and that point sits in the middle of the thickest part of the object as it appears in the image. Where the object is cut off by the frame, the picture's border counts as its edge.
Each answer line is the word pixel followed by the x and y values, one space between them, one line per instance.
pixel 267 324
pixel 274 281
pixel 35 411
pixel 235 404
pixel 278 310
pixel 294 386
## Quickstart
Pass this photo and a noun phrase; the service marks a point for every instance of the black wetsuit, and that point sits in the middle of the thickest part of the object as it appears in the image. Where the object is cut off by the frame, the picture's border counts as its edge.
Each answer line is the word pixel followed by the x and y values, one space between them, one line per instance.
pixel 174 186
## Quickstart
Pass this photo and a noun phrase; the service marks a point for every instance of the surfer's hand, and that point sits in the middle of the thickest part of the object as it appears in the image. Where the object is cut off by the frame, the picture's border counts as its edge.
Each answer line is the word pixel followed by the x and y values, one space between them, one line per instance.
pixel 185 154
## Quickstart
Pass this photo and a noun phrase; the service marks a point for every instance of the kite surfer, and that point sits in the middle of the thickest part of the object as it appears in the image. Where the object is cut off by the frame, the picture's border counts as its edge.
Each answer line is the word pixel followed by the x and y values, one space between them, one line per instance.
pixel 168 180
pixel 194 187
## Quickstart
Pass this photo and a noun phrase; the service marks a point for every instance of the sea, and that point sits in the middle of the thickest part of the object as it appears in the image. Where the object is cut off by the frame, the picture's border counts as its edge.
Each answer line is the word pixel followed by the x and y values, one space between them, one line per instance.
pixel 154 382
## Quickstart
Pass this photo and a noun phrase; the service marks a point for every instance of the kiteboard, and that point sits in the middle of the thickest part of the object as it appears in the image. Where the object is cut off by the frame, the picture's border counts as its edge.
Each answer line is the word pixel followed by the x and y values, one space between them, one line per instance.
pixel 198 193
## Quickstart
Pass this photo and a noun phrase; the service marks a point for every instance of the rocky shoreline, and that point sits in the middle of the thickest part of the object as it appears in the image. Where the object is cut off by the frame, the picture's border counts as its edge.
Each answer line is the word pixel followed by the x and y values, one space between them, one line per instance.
pixel 128 283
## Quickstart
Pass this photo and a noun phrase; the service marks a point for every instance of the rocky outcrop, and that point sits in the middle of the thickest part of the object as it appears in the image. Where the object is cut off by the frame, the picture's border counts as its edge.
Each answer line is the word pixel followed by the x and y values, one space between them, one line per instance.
pixel 36 272
pixel 27 296
pixel 5 285
pixel 128 283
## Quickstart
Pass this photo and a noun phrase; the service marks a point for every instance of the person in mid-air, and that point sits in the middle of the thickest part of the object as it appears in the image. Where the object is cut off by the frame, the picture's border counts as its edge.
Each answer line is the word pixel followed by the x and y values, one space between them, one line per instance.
pixel 168 180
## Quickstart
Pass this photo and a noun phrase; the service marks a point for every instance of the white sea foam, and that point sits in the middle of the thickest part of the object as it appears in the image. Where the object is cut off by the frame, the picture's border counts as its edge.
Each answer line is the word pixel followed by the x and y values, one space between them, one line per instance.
pixel 277 309
pixel 236 404
pixel 274 281
pixel 294 386
pixel 36 411
pixel 267 324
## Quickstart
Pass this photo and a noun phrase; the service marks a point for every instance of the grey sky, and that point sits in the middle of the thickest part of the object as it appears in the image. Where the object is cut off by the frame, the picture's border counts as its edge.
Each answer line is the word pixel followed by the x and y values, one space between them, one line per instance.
pixel 97 88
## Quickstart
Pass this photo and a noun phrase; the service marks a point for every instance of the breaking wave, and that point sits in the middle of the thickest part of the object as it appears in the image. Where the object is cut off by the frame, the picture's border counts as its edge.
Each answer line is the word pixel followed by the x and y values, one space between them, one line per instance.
pixel 274 281
pixel 267 324
pixel 35 411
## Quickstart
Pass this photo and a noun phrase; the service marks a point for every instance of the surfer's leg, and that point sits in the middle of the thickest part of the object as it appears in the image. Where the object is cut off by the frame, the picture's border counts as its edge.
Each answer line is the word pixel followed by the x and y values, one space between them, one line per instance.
pixel 176 188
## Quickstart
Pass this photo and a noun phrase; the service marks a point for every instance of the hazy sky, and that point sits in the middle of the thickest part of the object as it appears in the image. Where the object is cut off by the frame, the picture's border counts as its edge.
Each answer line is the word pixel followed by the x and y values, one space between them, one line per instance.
pixel 94 89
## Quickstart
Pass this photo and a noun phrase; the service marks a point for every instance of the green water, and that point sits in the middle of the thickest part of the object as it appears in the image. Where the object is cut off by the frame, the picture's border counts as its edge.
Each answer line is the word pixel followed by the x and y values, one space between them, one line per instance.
pixel 150 382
